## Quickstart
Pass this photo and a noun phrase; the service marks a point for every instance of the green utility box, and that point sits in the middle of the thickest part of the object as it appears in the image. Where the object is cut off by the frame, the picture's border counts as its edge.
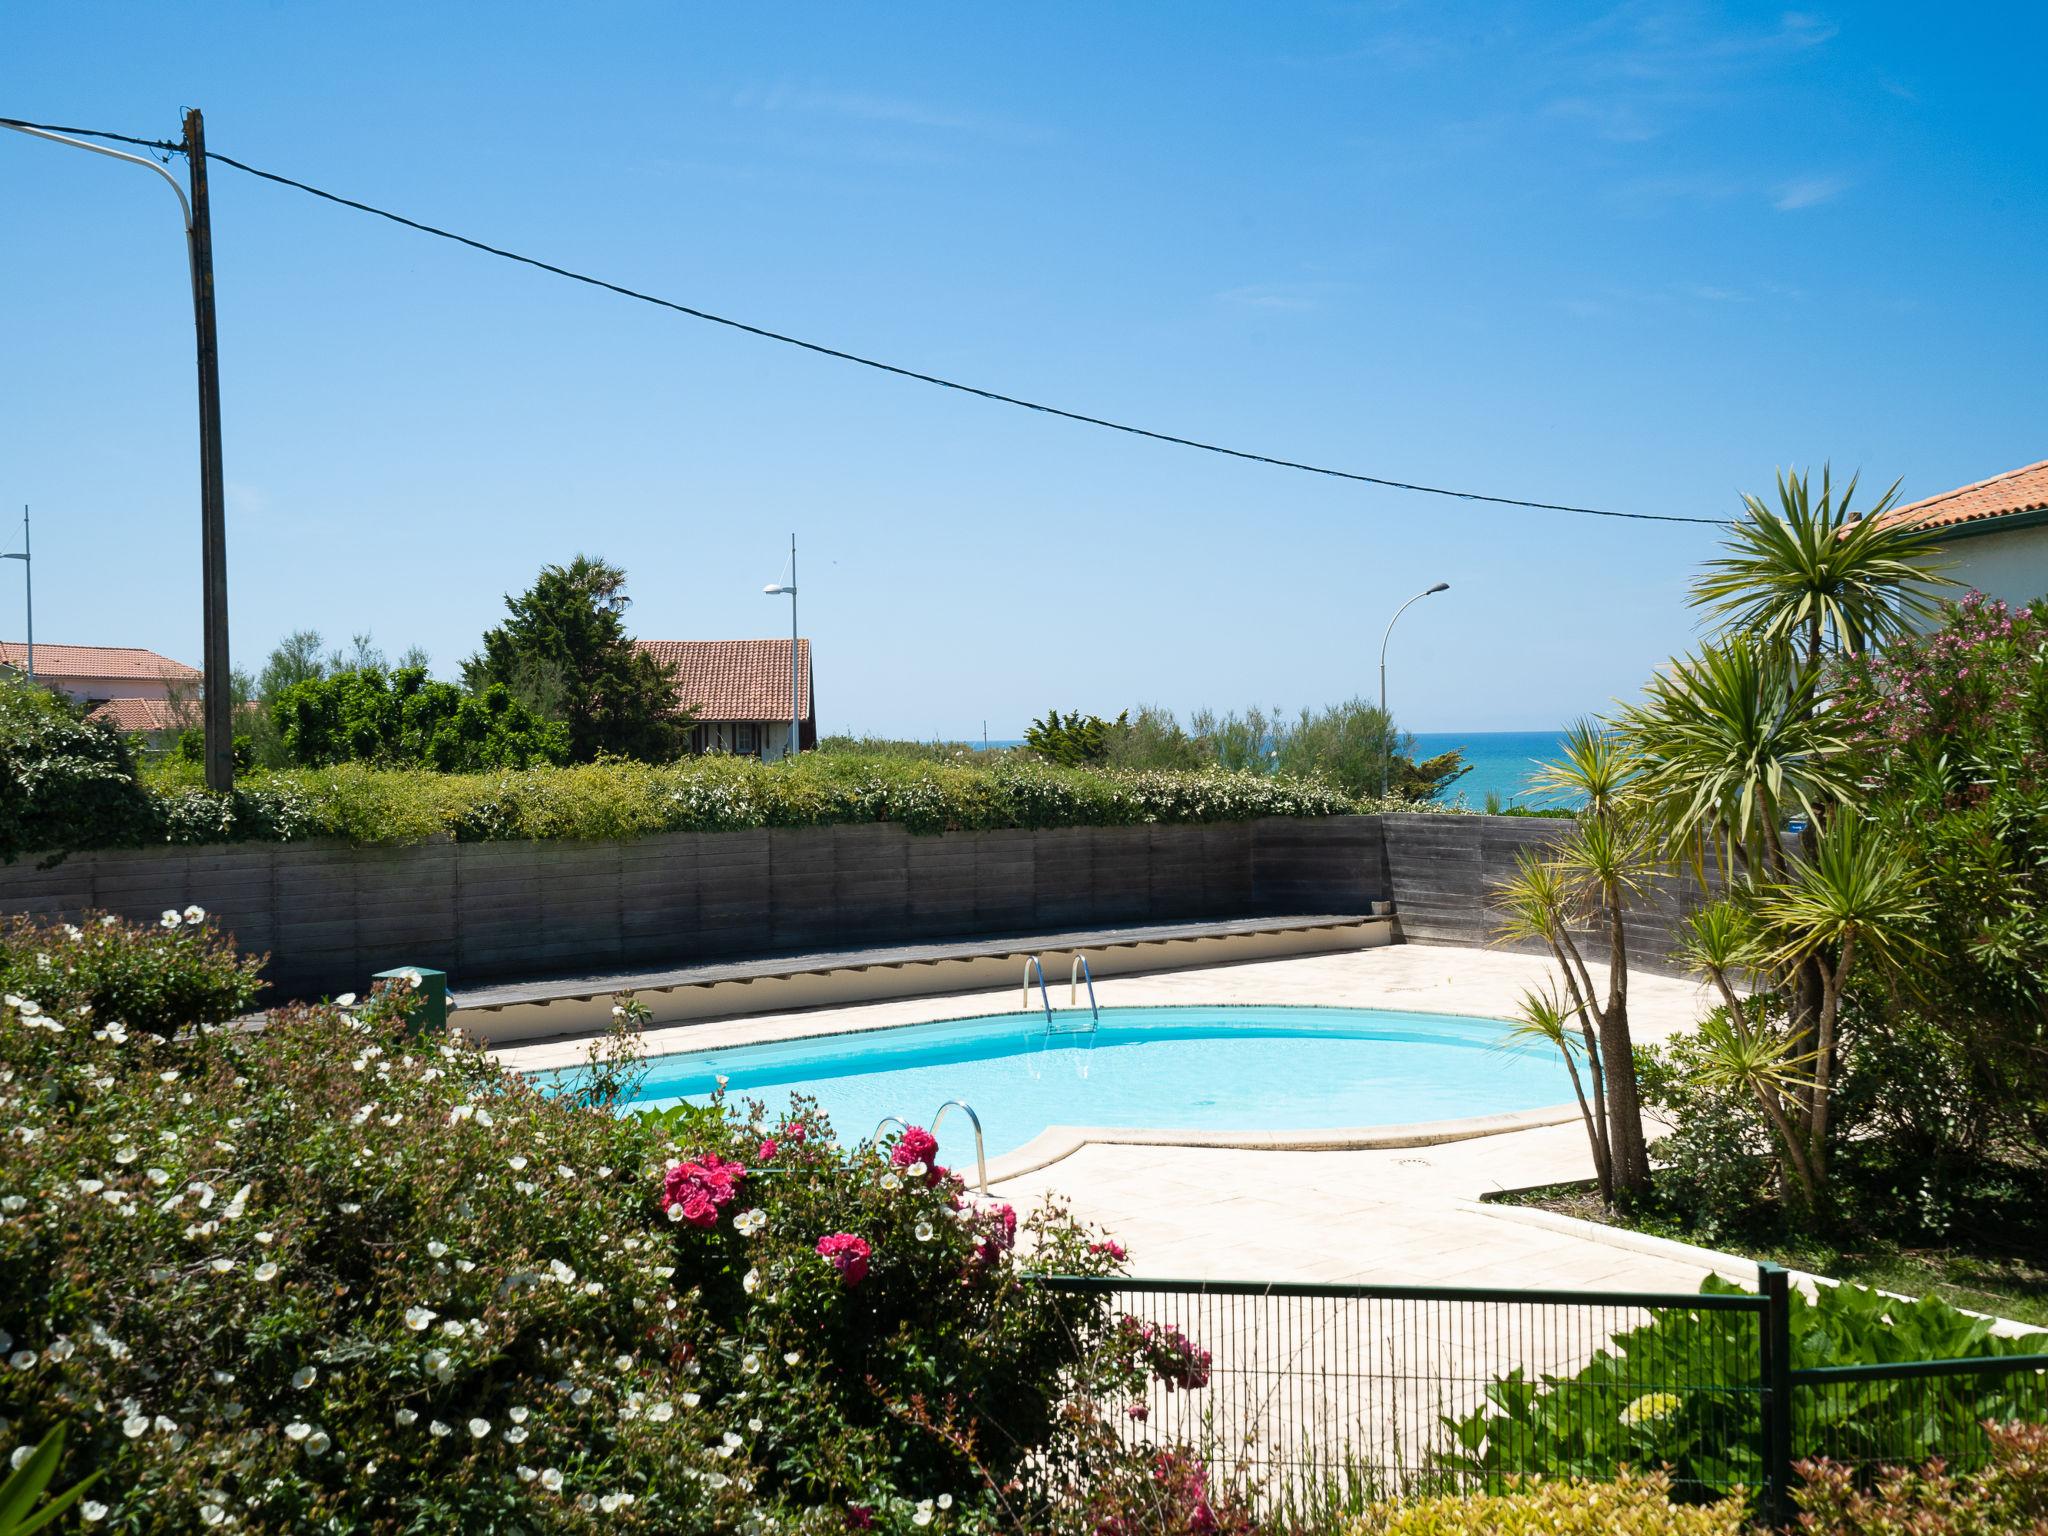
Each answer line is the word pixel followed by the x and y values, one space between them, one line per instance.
pixel 430 987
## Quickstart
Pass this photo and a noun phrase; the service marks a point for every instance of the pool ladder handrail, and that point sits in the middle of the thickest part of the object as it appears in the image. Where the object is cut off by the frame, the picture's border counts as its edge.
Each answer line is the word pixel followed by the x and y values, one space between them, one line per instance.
pixel 1077 973
pixel 980 1145
pixel 1032 963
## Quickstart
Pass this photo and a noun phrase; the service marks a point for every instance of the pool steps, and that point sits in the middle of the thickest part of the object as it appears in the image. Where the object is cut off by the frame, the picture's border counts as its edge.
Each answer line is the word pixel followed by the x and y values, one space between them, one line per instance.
pixel 980 1147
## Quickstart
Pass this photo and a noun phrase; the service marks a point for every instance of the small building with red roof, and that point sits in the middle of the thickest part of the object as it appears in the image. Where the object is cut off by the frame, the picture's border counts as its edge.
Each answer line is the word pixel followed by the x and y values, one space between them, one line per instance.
pixel 1994 533
pixel 130 688
pixel 741 691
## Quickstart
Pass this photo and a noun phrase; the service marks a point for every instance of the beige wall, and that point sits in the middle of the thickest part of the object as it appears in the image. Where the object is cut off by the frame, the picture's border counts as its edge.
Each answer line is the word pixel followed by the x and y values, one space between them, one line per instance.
pixel 2011 565
pixel 107 687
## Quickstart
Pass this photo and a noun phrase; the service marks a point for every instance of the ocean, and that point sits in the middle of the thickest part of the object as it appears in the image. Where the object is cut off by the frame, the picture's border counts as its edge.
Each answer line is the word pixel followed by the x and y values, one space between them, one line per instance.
pixel 1501 762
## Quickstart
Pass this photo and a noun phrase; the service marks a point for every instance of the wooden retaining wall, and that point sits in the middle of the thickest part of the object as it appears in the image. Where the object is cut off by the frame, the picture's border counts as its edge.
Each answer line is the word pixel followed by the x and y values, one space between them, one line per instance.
pixel 330 915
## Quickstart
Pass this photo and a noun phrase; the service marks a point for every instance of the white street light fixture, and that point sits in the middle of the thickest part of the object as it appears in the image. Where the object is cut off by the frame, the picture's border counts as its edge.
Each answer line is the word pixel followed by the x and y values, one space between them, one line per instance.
pixel 1387 761
pixel 781 589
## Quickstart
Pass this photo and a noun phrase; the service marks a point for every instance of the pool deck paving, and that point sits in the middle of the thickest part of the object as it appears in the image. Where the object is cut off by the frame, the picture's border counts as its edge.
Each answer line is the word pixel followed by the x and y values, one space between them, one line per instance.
pixel 1397 1215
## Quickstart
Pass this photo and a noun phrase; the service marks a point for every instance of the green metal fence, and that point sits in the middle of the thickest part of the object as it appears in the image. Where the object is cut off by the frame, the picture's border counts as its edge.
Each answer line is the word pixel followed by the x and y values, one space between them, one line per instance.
pixel 1409 1389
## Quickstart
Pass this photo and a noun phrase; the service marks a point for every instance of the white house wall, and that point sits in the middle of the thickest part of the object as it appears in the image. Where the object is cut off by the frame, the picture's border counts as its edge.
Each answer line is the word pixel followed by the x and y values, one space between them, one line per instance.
pixel 2011 565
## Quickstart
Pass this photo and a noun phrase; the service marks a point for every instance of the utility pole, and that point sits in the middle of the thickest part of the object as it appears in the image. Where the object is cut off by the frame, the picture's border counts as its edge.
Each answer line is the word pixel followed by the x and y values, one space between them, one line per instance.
pixel 213 536
pixel 795 731
pixel 28 590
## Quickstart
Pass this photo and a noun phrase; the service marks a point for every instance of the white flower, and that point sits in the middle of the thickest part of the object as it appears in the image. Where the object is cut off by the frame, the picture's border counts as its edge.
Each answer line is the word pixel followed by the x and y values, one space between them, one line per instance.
pixel 93 1511
pixel 170 919
pixel 221 1266
pixel 211 1514
pixel 266 1238
pixel 580 1397
pixel 417 1318
pixel 452 1328
pixel 945 1501
pixel 924 1231
pixel 346 1000
pixel 266 1271
pixel 318 1443
pixel 439 1365
pixel 731 1441
pixel 791 1358
pixel 516 1435
pixel 661 1413
pixel 478 1428
pixel 516 1163
pixel 923 1514
pixel 551 1480
pixel 891 1183
pixel 135 1426
pixel 917 1170
pixel 438 1430
pixel 22 1359
pixel 751 1365
pixel 747 1223
pixel 436 1249
pixel 517 1415
pixel 527 1474
pixel 304 1377
pixel 407 1417
pixel 195 914
pixel 752 1281
pixel 298 1429
pixel 562 1273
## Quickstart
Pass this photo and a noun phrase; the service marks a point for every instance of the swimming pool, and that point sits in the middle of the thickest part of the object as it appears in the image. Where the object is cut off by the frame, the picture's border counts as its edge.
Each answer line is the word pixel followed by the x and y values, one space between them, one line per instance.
pixel 1196 1069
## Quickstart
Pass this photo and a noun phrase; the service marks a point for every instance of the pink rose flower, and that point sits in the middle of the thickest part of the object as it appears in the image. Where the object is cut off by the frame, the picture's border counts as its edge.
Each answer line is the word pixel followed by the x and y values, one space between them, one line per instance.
pixel 699 1189
pixel 847 1254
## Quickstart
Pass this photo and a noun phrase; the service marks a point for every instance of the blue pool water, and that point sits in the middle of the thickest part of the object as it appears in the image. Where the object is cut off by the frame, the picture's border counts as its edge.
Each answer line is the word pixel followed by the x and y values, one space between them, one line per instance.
pixel 1190 1068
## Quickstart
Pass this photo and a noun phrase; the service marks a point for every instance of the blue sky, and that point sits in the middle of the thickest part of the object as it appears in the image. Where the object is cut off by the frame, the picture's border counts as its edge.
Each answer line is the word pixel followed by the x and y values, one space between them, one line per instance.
pixel 1633 256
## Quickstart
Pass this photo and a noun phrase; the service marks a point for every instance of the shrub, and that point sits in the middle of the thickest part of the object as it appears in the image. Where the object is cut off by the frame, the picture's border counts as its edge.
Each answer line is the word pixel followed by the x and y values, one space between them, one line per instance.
pixel 160 978
pixel 335 1274
pixel 65 782
pixel 405 718
pixel 1629 1506
pixel 2009 1497
pixel 1622 1407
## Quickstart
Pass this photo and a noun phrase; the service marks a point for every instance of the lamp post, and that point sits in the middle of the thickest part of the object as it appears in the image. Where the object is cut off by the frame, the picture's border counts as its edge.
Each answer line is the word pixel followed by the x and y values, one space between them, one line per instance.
pixel 28 592
pixel 777 589
pixel 1387 758
pixel 218 704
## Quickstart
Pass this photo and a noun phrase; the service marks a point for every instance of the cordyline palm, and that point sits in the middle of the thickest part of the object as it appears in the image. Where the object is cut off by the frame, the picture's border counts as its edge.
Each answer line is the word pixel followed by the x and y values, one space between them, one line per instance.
pixel 1594 875
pixel 1538 902
pixel 1813 569
pixel 1857 899
pixel 1730 744
pixel 1541 1016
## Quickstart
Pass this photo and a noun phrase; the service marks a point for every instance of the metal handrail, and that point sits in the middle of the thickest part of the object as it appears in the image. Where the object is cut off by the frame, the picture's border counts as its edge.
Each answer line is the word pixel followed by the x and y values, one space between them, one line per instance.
pixel 1080 969
pixel 1031 963
pixel 980 1155
pixel 980 1146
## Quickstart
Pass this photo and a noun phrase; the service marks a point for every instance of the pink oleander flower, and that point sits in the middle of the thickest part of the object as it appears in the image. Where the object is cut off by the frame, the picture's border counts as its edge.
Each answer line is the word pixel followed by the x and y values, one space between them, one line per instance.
pixel 698 1190
pixel 847 1254
pixel 769 1148
pixel 1112 1247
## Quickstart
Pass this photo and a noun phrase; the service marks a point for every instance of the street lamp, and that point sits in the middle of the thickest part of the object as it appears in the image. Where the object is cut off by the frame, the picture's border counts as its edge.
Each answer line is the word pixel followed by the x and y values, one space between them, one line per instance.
pixel 198 220
pixel 28 589
pixel 1387 758
pixel 777 589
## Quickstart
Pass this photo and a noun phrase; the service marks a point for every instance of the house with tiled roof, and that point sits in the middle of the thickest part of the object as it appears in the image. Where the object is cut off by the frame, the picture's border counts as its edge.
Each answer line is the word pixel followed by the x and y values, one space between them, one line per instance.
pixel 741 691
pixel 1994 534
pixel 130 688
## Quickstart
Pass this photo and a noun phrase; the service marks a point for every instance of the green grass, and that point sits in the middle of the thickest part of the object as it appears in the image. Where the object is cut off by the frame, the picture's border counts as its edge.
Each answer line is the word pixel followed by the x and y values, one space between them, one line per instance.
pixel 1976 1277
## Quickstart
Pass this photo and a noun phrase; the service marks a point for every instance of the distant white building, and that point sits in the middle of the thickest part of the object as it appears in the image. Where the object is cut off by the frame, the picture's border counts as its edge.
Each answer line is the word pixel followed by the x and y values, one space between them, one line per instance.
pixel 129 688
pixel 741 692
pixel 1994 534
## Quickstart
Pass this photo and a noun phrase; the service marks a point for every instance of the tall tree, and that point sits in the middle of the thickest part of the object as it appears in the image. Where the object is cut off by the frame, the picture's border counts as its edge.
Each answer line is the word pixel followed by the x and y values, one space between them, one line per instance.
pixel 564 650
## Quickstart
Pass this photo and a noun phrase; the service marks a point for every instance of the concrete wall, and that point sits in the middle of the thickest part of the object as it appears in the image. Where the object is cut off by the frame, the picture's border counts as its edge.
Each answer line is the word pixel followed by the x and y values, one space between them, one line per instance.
pixel 330 915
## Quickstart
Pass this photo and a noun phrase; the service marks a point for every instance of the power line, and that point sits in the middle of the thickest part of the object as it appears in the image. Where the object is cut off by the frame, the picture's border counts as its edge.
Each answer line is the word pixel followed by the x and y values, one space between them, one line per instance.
pixel 897 370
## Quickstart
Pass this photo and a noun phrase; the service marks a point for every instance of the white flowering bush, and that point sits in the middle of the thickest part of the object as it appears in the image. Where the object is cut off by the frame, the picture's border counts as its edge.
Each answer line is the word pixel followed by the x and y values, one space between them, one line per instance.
pixel 336 1275
pixel 160 977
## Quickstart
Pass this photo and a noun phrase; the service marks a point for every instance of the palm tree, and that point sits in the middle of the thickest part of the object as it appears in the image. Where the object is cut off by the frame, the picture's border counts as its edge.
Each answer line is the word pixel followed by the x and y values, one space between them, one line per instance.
pixel 1729 745
pixel 1811 571
pixel 1541 1016
pixel 1857 899
pixel 1595 874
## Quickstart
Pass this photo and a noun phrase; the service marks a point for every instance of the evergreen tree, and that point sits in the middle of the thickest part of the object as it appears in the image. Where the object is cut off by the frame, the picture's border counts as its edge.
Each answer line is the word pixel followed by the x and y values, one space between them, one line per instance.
pixel 564 652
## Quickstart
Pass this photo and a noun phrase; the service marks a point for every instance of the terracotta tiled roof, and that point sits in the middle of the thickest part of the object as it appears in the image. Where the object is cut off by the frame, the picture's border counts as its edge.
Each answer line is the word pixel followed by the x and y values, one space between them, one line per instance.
pixel 735 679
pixel 127 661
pixel 2017 490
pixel 133 714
